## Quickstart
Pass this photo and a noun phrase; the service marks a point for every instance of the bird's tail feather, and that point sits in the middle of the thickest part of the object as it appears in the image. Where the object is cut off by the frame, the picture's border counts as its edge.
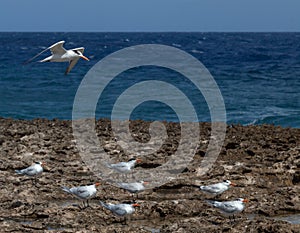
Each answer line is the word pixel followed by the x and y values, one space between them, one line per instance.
pixel 108 165
pixel 66 189
pixel 19 172
pixel 211 202
pixel 104 205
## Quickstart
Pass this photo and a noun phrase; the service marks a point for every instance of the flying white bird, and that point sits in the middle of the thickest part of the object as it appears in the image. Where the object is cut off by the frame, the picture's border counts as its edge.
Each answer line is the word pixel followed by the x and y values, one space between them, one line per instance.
pixel 120 209
pixel 229 208
pixel 34 170
pixel 60 54
pixel 216 189
pixel 83 192
pixel 124 167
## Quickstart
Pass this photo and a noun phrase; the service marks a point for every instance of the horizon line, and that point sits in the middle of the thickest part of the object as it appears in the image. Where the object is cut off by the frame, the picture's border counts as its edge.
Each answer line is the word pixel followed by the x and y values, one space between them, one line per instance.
pixel 60 31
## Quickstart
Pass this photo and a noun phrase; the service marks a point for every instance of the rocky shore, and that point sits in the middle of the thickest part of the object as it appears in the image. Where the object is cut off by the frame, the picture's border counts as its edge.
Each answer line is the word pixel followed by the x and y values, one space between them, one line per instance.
pixel 264 162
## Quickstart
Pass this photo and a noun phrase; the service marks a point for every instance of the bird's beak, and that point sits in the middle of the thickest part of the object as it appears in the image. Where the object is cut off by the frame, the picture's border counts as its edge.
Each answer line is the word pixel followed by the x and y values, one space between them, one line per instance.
pixel 138 160
pixel 145 182
pixel 43 163
pixel 233 184
pixel 97 184
pixel 135 204
pixel 84 57
pixel 245 200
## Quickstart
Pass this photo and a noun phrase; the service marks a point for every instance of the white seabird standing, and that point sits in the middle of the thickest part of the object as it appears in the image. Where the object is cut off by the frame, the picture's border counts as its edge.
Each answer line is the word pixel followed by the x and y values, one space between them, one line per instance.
pixel 229 208
pixel 33 171
pixel 218 188
pixel 134 187
pixel 120 209
pixel 124 167
pixel 83 193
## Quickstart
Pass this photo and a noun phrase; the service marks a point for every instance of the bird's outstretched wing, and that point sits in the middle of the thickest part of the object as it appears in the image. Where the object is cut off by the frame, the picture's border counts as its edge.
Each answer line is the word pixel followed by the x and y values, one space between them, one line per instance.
pixel 58 48
pixel 55 48
pixel 71 65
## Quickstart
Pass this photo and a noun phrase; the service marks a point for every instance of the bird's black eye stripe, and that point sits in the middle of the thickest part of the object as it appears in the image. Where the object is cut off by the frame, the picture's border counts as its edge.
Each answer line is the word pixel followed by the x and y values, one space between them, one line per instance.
pixel 75 51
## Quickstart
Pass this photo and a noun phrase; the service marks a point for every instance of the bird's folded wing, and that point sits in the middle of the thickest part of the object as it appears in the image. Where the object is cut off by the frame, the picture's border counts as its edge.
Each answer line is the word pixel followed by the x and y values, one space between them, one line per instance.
pixel 82 192
pixel 211 188
pixel 119 211
pixel 125 185
pixel 119 165
pixel 228 207
pixel 29 170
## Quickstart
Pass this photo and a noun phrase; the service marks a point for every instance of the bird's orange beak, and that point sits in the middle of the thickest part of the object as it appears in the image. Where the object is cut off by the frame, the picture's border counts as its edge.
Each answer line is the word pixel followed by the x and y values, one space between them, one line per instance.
pixel 233 184
pixel 138 160
pixel 43 163
pixel 245 200
pixel 145 182
pixel 97 184
pixel 135 204
pixel 84 57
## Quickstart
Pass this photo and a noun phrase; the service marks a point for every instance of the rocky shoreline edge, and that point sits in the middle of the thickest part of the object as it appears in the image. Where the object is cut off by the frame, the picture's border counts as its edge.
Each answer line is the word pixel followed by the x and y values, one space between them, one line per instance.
pixel 263 160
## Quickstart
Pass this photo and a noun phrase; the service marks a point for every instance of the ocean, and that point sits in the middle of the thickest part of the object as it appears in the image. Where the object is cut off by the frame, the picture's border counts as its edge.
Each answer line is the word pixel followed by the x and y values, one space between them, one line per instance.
pixel 258 75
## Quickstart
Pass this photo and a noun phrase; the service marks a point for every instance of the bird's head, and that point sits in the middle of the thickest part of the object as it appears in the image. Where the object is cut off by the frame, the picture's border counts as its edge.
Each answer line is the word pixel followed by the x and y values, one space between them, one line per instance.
pixel 40 163
pixel 228 182
pixel 79 53
pixel 135 160
pixel 138 160
pixel 244 200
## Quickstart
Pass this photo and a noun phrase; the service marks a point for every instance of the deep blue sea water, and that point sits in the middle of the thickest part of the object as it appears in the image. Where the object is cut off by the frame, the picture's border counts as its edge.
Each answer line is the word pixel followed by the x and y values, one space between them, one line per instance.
pixel 258 75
